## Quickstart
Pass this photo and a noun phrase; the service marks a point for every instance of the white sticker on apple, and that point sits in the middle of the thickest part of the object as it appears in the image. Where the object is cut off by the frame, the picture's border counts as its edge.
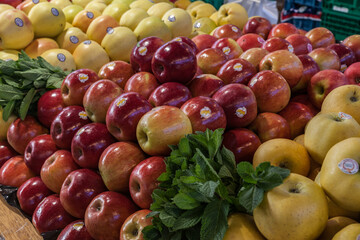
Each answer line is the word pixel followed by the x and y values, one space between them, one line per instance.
pixel 120 102
pixel 78 226
pixel 241 112
pixel 235 29
pixel 55 12
pixel 291 48
pixel 90 15
pixel 142 51
pixel 74 39
pixel 260 40
pixel 172 18
pixel 205 112
pixel 343 67
pixel 197 25
pixel 83 115
pixel 87 42
pixel 83 77
pixel 349 166
pixel 344 116
pixel 309 47
pixel 358 237
pixel 35 1
pixel 238 67
pixel 109 30
pixel 61 57
pixel 226 50
pixel 19 22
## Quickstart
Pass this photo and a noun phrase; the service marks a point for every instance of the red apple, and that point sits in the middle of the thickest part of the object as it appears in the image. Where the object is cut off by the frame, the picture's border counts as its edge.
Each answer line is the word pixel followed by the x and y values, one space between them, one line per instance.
pixel 31 193
pixel 310 69
pixel 210 60
pixel 165 63
pixel 205 85
pixel 320 37
pixel 227 31
pixel 142 53
pixel 345 54
pixel 106 214
pixel 143 83
pixel 269 126
pixel 236 71
pixel 66 124
pixel 301 44
pixel 258 25
pixel 56 168
pixel 228 46
pixel 21 132
pixel 98 97
pixel 124 114
pixel 170 94
pixel 250 40
pixel 254 56
pixel 285 63
pixel 6 152
pixel 325 58
pixel 88 143
pixel 188 41
pixel 143 180
pixel 117 71
pixel 50 215
pixel 242 142
pixel 297 115
pixel 204 112
pixel 353 73
pixel 75 85
pixel 271 90
pixel 13 3
pixel 353 42
pixel 322 83
pixel 78 189
pixel 49 106
pixel 75 230
pixel 239 104
pixel 134 224
pixel 204 41
pixel 14 172
pixel 282 30
pixel 116 163
pixel 275 43
pixel 304 99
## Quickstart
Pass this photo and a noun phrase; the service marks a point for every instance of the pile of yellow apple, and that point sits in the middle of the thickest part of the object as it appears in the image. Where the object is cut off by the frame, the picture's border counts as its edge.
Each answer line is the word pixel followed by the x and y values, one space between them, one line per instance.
pixel 90 33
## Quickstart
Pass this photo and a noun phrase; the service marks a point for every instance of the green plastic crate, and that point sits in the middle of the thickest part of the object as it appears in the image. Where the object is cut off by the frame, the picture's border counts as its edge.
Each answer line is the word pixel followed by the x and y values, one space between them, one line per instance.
pixel 216 3
pixel 348 7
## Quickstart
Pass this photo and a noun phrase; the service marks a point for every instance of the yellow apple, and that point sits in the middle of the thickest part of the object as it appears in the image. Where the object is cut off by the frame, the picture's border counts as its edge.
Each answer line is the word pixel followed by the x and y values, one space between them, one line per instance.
pixel 60 58
pixel 16 30
pixel 194 4
pixel 144 4
pixel 334 225
pixel 48 20
pixel 153 26
pixel 81 3
pixel 178 21
pixel 132 17
pixel 71 38
pixel 9 54
pixel 202 10
pixel 27 5
pixel 71 11
pixel 241 226
pixel 296 210
pixel 205 25
pixel 39 46
pixel 351 231
pixel 232 13
pixel 126 2
pixel 4 125
pixel 183 4
pixel 61 3
pixel 159 9
pixel 83 19
pixel 115 10
pixel 325 130
pixel 345 99
pixel 122 51
pixel 89 54
pixel 283 153
pixel 4 7
pixel 67 26
pixel 214 17
pixel 100 26
pixel 98 6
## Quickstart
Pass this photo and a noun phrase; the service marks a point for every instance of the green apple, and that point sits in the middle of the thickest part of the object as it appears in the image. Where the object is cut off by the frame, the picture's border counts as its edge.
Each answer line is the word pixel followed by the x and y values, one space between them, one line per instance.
pixel 115 10
pixel 232 13
pixel 89 54
pixel 159 9
pixel 204 25
pixel 178 21
pixel 241 226
pixel 100 26
pixel 144 4
pixel 71 11
pixel 81 3
pixel 351 231
pixel 60 58
pixel 202 10
pixel 117 51
pixel 153 26
pixel 194 4
pixel 71 38
pixel 61 3
pixel 126 2
pixel 98 6
pixel 4 125
pixel 9 54
pixel 132 17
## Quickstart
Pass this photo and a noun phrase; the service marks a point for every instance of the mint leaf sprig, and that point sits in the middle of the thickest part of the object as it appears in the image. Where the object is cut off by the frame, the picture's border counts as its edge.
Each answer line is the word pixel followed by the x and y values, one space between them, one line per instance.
pixel 22 82
pixel 202 185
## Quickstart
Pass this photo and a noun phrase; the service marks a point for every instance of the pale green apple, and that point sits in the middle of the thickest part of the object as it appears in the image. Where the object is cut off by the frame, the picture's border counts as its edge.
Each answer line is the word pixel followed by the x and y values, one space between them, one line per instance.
pixel 71 38
pixel 232 13
pixel 115 10
pixel 61 3
pixel 202 10
pixel 153 26
pixel 9 54
pixel 4 125
pixel 205 25
pixel 132 17
pixel 178 21
pixel 144 4
pixel 81 3
pixel 60 58
pixel 98 6
pixel 89 54
pixel 71 11
pixel 159 9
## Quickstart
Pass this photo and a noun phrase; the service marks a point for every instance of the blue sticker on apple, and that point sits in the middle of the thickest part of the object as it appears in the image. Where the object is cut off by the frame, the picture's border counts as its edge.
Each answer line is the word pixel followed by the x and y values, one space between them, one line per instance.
pixel 109 30
pixel 55 12
pixel 74 39
pixel 35 1
pixel 19 22
pixel 61 57
pixel 87 42
pixel 90 15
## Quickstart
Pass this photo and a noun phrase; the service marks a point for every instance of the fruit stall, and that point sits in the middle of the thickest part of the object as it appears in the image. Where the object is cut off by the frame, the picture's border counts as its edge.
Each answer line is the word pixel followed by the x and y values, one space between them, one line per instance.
pixel 179 119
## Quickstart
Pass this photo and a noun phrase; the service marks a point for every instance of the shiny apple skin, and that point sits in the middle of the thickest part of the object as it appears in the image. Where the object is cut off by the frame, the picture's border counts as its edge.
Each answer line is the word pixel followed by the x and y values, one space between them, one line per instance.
pixel 210 60
pixel 106 214
pixel 31 193
pixel 134 224
pixel 353 42
pixel 236 71
pixel 320 37
pixel 117 71
pixel 75 231
pixel 310 69
pixel 305 99
pixel 275 43
pixel 242 142
pixel 174 62
pixel 75 85
pixel 258 25
pixel 88 144
pixel 254 56
pixel 228 46
pixel 282 30
pixel 6 152
pixel 205 85
pixel 14 172
pixel 239 104
pixel 49 106
pixel 346 55
pixel 143 83
pixel 188 41
pixel 124 114
pixel 170 94
pixel 227 31
pixel 300 43
pixel 142 53
pixel 204 41
pixel 78 189
pixel 250 40
pixel 37 151
pixel 353 73
pixel 50 215
pixel 326 58
pixel 143 180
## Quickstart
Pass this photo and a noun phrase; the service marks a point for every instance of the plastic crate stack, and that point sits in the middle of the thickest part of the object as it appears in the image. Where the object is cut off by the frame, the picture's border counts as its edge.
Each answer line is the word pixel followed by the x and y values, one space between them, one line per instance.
pixel 342 17
pixel 304 14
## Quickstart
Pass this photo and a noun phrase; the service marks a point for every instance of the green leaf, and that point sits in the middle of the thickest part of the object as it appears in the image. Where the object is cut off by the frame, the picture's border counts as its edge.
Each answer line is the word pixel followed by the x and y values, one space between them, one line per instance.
pixel 246 172
pixel 250 197
pixel 214 221
pixel 184 201
pixel 224 172
pixel 184 147
pixel 151 233
pixel 54 81
pixel 25 104
pixel 283 172
pixel 10 93
pixel 7 67
pixel 208 188
pixel 189 219
pixel 167 219
pixel 8 109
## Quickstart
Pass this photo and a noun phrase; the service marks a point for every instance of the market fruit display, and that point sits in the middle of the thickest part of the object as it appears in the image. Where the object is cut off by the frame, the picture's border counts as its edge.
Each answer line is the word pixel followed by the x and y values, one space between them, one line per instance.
pixel 131 119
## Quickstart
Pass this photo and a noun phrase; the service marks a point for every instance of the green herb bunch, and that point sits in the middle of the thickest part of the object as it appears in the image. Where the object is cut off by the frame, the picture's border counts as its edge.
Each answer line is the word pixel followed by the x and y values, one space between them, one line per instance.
pixel 22 83
pixel 202 185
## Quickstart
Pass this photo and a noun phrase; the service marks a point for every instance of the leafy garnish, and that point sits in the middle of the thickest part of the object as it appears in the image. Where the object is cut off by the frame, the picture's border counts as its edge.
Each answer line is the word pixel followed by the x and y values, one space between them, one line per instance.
pixel 202 185
pixel 22 82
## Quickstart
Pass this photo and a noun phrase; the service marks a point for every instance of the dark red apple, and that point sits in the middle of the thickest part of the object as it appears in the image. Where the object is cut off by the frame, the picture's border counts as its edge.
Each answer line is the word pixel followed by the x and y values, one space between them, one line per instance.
pixel 124 114
pixel 228 46
pixel 66 124
pixel 353 73
pixel 282 30
pixel 14 172
pixel 205 85
pixel 170 94
pixel 310 69
pixel 13 3
pixel 143 83
pixel 134 224
pixel 117 71
pixel 353 42
pixel 275 43
pixel 31 193
pixel 320 37
pixel 304 99
pixel 188 41
pixel 203 41
pixel 237 70
pixel 227 31
pixel 106 214
pixel 250 40
pixel 210 60
pixel 75 231
pixel 78 189
pixel 49 106
pixel 6 152
pixel 258 25
pixel 301 44
pixel 345 54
